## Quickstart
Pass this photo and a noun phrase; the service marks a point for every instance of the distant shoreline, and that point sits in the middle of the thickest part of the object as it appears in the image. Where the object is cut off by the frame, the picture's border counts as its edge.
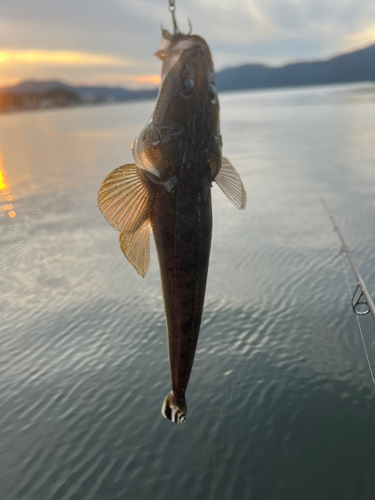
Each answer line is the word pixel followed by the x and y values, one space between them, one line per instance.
pixel 352 68
pixel 366 86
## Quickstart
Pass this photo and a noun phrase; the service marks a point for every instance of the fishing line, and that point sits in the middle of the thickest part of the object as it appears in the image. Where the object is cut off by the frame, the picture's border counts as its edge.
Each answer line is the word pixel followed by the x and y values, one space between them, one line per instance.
pixel 359 324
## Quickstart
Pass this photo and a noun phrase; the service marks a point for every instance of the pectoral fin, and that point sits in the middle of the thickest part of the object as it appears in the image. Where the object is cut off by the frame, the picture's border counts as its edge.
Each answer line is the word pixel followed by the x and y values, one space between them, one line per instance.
pixel 136 247
pixel 126 198
pixel 230 183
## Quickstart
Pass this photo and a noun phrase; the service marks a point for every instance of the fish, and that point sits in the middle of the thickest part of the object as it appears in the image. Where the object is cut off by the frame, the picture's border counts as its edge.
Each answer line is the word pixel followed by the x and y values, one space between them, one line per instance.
pixel 167 191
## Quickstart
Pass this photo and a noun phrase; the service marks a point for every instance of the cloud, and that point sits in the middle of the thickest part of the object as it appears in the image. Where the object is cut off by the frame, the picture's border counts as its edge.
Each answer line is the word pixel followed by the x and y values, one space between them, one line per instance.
pixel 364 37
pixel 58 57
pixel 239 31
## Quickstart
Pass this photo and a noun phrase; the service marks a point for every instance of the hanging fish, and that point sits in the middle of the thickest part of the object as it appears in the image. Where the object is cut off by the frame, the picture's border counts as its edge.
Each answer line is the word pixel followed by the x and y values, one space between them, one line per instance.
pixel 168 191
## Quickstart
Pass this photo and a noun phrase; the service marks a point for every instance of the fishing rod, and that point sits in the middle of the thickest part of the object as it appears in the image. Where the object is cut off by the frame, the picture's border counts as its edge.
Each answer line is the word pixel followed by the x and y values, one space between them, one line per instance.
pixel 361 296
pixel 364 298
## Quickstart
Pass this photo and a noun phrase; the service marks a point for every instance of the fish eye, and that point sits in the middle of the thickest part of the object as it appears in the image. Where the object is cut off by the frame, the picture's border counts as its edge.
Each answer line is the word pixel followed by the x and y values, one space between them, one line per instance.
pixel 211 90
pixel 187 84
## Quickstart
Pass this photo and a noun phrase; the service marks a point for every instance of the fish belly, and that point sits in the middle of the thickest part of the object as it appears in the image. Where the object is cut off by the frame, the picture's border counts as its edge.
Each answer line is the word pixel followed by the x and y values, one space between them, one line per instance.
pixel 182 226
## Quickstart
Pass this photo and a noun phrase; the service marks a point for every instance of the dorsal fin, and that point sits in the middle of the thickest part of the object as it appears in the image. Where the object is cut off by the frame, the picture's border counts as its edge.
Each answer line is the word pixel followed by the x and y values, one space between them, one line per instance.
pixel 230 183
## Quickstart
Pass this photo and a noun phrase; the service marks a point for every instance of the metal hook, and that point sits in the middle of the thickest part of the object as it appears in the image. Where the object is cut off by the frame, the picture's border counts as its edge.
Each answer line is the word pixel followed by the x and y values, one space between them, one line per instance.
pixel 172 9
pixel 191 27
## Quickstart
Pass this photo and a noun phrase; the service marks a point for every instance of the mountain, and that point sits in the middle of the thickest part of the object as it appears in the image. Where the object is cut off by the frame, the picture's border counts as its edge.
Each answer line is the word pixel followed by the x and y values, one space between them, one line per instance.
pixel 358 66
pixel 85 93
pixel 52 94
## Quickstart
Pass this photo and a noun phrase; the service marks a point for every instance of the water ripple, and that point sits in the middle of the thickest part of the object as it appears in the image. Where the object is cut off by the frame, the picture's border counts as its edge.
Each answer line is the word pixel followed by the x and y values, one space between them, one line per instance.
pixel 280 393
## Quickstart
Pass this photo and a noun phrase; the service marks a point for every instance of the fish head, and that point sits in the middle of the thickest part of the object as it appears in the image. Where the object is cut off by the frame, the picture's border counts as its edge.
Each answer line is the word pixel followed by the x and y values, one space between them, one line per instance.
pixel 188 79
pixel 187 108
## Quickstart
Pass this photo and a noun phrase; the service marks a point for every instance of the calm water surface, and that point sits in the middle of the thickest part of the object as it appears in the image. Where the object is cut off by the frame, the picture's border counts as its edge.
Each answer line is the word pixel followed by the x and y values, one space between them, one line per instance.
pixel 281 403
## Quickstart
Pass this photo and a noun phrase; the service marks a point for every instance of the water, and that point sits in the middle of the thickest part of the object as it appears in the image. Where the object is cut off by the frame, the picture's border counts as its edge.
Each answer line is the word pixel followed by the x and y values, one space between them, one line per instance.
pixel 281 403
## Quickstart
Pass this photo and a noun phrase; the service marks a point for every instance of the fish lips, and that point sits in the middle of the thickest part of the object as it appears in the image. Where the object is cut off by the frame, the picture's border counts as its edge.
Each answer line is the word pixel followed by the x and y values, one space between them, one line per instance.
pixel 170 50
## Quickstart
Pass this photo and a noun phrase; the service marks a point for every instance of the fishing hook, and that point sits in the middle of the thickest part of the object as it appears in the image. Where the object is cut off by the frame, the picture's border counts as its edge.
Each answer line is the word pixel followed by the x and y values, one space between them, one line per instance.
pixel 172 9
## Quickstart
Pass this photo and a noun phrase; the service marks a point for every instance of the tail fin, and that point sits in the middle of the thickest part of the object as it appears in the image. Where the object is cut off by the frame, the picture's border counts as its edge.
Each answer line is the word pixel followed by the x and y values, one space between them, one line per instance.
pixel 173 410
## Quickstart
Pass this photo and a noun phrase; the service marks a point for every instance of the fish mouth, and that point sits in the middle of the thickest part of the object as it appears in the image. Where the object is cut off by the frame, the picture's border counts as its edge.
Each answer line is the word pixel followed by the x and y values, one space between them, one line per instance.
pixel 171 49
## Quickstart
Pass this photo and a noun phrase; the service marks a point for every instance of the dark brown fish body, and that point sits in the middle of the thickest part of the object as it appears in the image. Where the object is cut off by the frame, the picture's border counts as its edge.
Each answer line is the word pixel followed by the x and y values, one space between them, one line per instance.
pixel 182 214
pixel 168 190
pixel 182 226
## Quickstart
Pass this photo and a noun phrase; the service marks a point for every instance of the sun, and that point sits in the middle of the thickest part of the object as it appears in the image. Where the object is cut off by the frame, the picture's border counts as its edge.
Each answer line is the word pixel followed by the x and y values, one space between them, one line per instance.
pixel 362 38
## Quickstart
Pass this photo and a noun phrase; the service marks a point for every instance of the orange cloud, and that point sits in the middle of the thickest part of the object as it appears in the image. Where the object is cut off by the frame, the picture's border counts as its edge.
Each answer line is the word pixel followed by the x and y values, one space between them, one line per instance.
pixel 151 79
pixel 56 57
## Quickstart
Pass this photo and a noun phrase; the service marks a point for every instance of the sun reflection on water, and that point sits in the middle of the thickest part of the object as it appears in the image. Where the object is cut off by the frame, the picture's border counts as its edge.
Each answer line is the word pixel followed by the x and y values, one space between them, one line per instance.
pixel 5 194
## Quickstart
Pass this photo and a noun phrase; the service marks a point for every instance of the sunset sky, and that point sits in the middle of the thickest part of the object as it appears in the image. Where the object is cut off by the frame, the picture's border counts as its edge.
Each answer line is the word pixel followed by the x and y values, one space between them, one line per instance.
pixel 112 42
